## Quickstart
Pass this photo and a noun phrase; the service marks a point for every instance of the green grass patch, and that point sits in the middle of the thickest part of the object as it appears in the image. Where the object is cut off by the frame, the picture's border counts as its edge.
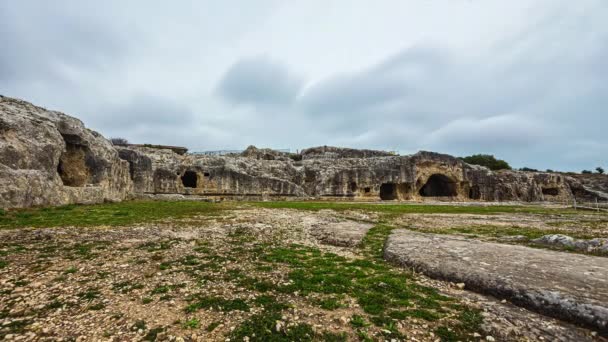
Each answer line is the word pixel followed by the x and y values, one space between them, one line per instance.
pixel 71 270
pixel 411 208
pixel 89 294
pixel 329 303
pixel 192 324
pixel 110 214
pixel 377 287
pixel 358 321
pixel 126 286
pixel 502 231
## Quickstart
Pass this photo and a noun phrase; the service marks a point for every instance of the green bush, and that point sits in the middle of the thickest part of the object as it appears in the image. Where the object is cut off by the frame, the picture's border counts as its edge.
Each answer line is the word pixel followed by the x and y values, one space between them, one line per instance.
pixel 488 161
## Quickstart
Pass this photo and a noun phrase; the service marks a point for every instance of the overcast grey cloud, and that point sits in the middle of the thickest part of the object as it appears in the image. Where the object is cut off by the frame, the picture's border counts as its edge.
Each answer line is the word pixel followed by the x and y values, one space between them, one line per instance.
pixel 259 80
pixel 525 80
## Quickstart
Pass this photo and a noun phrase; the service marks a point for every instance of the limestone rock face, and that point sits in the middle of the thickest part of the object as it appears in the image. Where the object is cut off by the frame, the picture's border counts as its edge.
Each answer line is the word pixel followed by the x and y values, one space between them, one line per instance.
pixel 49 158
pixel 260 173
pixel 161 171
pixel 590 186
pixel 330 152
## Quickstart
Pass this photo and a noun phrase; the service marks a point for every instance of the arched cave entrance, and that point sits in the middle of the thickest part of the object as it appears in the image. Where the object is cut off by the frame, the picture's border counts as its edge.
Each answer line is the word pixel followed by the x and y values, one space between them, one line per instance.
pixel 189 179
pixel 388 191
pixel 72 167
pixel 474 192
pixel 439 186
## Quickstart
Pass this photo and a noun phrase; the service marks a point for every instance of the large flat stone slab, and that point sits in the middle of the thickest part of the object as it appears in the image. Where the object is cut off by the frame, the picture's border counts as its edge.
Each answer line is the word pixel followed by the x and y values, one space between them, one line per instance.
pixel 343 234
pixel 568 286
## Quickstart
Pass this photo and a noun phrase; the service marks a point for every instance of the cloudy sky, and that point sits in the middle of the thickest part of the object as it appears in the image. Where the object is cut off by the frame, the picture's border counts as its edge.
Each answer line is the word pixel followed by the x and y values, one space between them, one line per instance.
pixel 526 80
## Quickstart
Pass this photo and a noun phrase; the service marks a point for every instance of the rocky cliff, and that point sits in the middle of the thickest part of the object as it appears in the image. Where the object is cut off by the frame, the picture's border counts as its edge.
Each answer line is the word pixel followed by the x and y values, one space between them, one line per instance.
pixel 265 174
pixel 49 158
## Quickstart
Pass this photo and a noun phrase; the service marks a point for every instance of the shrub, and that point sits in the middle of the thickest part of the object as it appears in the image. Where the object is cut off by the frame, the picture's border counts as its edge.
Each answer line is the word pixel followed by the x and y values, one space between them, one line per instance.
pixel 488 161
pixel 586 172
pixel 600 170
pixel 295 156
pixel 119 141
pixel 528 169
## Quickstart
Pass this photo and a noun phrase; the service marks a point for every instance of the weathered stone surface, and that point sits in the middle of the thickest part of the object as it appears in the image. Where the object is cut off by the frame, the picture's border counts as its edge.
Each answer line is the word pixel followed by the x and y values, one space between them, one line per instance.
pixel 265 173
pixel 590 187
pixel 330 152
pixel 344 234
pixel 222 176
pixel 596 245
pixel 49 158
pixel 573 288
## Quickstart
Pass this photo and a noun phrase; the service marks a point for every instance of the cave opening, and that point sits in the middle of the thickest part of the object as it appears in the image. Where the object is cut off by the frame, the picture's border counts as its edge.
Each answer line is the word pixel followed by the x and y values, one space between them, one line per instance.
pixel 439 185
pixel 388 191
pixel 189 179
pixel 551 191
pixel 474 192
pixel 72 167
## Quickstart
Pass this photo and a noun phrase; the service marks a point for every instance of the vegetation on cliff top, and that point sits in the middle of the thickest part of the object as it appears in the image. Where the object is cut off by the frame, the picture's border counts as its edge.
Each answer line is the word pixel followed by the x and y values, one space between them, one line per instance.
pixel 488 161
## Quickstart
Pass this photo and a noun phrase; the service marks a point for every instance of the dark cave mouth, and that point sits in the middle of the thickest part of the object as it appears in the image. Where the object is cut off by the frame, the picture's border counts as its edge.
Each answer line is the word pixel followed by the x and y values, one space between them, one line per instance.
pixel 388 191
pixel 189 179
pixel 439 185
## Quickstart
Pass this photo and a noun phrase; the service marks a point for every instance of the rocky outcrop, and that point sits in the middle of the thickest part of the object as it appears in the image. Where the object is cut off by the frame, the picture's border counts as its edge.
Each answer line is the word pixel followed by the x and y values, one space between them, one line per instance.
pixel 160 171
pixel 266 173
pixel 330 152
pixel 49 158
pixel 572 288
pixel 590 186
pixel 597 245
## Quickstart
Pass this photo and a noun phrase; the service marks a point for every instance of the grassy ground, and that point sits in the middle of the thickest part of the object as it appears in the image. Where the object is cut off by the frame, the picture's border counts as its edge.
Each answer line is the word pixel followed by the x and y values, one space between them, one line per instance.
pixel 108 214
pixel 259 280
pixel 398 208
pixel 127 213
pixel 493 231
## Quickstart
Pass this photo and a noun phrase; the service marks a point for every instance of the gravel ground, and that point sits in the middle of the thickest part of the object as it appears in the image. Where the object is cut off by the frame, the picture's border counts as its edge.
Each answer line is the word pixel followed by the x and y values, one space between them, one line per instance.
pixel 197 279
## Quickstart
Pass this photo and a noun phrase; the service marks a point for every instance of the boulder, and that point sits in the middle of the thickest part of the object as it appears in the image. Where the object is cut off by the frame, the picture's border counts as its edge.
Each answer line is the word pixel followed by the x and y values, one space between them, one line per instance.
pixel 597 245
pixel 572 288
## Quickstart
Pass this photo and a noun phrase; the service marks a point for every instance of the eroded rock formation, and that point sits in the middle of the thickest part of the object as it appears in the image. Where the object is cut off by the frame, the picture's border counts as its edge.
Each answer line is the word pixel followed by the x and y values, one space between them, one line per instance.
pixel 49 158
